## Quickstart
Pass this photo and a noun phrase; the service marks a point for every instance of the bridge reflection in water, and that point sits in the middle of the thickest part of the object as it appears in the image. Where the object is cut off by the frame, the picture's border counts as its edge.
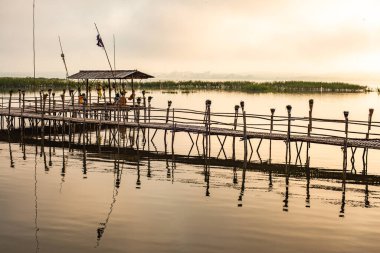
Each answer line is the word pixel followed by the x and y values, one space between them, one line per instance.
pixel 141 155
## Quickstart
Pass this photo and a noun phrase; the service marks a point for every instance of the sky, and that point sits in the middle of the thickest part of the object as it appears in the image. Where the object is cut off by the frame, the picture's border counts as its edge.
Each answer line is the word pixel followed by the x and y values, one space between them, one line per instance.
pixel 248 39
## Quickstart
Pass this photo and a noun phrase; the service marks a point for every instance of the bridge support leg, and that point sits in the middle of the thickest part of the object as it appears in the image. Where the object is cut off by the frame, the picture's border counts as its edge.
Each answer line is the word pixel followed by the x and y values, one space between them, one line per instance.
pixel 222 146
pixel 365 161
pixel 353 151
pixel 298 158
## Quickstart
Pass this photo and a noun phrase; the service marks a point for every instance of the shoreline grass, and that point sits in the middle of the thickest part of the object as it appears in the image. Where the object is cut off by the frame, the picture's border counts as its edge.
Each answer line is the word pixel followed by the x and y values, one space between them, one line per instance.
pixel 28 84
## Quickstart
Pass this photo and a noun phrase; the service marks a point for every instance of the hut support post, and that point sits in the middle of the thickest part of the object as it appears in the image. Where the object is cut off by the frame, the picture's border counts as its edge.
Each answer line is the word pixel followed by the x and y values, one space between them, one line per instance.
pixel 109 91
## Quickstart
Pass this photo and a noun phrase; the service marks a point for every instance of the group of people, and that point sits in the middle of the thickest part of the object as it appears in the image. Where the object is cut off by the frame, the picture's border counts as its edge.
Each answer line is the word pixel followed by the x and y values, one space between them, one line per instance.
pixel 122 100
pixel 82 99
pixel 118 99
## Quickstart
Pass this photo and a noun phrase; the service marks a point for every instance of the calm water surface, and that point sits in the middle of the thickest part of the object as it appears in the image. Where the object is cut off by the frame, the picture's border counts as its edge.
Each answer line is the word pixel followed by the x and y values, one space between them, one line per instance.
pixel 49 203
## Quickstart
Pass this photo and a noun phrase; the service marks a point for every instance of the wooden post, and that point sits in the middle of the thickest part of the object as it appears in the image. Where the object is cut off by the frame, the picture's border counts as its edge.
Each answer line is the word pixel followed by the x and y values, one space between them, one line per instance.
pixel 89 98
pixel 208 126
pixel 149 107
pixel 345 113
pixel 23 110
pixel 71 92
pixel 310 126
pixel 104 93
pixel 144 104
pixel 19 98
pixel 23 101
pixel 41 91
pixel 138 119
pixel 173 132
pixel 245 135
pixel 54 104
pixel 2 107
pixel 369 122
pixel 109 91
pixel 49 92
pixel 43 114
pixel 10 105
pixel 288 150
pixel 167 111
pixel 87 89
pixel 63 101
pixel 63 104
pixel 167 118
pixel 84 109
pixel 272 110
pixel 365 152
pixel 235 126
pixel 133 93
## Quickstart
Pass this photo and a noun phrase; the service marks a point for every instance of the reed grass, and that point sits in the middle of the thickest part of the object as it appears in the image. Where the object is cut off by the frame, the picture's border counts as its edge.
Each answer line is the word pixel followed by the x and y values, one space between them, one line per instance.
pixel 28 84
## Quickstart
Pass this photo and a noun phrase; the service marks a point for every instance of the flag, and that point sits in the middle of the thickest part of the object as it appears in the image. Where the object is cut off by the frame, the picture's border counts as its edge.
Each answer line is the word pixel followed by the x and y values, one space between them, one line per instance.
pixel 100 42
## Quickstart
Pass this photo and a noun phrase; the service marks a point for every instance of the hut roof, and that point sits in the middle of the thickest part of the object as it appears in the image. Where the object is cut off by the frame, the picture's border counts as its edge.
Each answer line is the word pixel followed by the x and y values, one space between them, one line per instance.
pixel 108 74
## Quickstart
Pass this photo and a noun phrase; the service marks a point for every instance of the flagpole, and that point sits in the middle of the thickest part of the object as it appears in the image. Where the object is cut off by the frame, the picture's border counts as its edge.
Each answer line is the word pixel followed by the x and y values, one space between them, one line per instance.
pixel 34 48
pixel 63 56
pixel 114 53
pixel 108 59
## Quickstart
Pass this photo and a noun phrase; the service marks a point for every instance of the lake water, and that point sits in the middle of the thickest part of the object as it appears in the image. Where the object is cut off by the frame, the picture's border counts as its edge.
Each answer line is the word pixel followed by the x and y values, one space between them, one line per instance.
pixel 51 201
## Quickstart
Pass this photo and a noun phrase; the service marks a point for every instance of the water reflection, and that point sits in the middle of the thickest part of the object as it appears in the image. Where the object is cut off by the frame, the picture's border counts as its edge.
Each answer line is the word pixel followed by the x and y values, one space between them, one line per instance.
pixel 117 181
pixel 343 204
pixel 36 228
pixel 217 174
pixel 240 199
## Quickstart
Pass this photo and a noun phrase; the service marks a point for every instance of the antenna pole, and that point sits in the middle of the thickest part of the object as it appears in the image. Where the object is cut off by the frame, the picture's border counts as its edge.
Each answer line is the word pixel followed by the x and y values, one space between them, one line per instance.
pixel 63 57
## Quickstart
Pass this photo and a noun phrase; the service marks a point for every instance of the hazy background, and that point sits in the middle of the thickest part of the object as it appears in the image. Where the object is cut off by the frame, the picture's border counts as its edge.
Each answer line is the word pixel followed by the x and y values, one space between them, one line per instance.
pixel 214 39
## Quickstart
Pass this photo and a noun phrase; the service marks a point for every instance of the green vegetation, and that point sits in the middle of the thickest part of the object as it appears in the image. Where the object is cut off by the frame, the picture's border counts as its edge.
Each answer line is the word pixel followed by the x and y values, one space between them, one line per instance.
pixel 245 86
pixel 28 84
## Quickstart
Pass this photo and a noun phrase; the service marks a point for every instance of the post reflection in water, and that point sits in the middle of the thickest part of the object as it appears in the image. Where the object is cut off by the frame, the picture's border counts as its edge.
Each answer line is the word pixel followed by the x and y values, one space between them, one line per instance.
pixel 272 173
pixel 285 207
pixel 63 169
pixel 117 181
pixel 84 151
pixel 138 181
pixel 240 199
pixel 343 203
pixel 36 228
pixel 12 164
pixel 149 171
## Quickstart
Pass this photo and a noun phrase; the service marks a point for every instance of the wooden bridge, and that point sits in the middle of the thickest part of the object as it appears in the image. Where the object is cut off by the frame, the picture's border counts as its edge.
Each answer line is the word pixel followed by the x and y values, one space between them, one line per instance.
pixel 47 110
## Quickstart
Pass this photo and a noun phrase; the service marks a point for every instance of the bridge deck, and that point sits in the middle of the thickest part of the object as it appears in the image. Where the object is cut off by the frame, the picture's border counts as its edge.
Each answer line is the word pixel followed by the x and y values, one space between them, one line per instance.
pixel 178 127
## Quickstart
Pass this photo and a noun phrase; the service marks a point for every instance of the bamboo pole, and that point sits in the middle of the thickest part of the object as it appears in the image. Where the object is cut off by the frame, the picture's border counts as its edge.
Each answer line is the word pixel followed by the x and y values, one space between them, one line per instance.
pixel 345 113
pixel 288 149
pixel 245 136
pixel 144 104
pixel 272 111
pixel 149 107
pixel 235 126
pixel 365 151
pixel 22 111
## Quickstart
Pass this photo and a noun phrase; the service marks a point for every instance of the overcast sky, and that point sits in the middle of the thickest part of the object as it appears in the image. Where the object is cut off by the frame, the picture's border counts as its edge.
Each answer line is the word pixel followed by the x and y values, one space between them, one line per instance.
pixel 318 38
